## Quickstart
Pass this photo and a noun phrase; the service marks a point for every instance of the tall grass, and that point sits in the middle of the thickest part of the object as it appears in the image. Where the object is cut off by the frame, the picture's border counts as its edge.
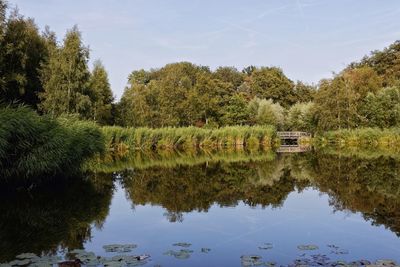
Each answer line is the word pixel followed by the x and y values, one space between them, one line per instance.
pixel 33 145
pixel 187 138
pixel 371 137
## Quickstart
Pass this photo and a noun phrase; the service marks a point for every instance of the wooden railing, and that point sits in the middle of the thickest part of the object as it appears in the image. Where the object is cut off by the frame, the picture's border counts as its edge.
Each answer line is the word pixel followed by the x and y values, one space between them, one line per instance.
pixel 292 135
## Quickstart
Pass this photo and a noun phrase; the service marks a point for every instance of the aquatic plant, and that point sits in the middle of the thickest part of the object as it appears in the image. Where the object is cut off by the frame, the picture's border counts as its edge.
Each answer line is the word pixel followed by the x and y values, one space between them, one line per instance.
pixel 372 137
pixel 188 137
pixel 33 145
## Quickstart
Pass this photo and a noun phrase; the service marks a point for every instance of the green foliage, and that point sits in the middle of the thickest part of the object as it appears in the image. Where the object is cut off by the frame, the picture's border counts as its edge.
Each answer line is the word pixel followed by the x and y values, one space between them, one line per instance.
pixel 271 83
pixel 187 138
pixel 102 95
pixel 229 75
pixel 382 109
pixel 235 112
pixel 65 78
pixel 301 117
pixel 370 137
pixel 266 112
pixel 386 63
pixel 22 51
pixel 32 145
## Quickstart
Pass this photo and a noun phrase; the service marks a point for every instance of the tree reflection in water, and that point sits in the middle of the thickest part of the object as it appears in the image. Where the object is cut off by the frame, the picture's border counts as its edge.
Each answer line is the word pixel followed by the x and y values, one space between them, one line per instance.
pixel 60 213
pixel 56 214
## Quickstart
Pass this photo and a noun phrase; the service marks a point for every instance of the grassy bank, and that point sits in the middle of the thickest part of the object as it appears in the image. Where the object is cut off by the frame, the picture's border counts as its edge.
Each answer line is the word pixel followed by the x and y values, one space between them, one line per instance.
pixel 33 145
pixel 120 139
pixel 361 137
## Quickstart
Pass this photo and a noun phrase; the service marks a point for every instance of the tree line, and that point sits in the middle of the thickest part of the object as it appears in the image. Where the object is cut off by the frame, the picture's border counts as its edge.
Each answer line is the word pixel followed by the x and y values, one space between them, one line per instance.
pixel 54 78
pixel 50 76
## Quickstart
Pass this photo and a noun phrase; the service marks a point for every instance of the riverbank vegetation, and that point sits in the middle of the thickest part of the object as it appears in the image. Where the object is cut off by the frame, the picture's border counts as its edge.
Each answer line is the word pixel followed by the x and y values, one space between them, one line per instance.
pixel 180 105
pixel 370 137
pixel 119 139
pixel 32 145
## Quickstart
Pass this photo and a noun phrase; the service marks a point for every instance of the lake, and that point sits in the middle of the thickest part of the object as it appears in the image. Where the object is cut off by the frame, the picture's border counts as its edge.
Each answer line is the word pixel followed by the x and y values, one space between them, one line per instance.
pixel 227 208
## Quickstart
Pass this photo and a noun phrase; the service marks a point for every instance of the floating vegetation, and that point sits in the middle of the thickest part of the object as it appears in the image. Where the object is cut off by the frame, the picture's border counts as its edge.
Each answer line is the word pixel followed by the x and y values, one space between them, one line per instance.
pixel 307 247
pixel 119 248
pixel 386 262
pixel 323 260
pixel 182 254
pixel 205 250
pixel 251 260
pixel 32 260
pixel 182 244
pixel 89 258
pixel 266 246
pixel 337 250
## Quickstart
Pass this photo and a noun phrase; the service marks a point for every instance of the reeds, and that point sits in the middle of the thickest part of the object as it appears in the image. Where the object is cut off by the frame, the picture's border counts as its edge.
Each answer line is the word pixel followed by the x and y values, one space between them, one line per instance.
pixel 33 145
pixel 189 137
pixel 361 137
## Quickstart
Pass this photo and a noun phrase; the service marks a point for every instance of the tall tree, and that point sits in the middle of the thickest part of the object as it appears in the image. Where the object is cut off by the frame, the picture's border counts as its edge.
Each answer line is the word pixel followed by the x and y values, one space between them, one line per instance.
pixel 22 51
pixel 229 74
pixel 65 78
pixel 381 109
pixel 271 83
pixel 235 112
pixel 386 63
pixel 102 94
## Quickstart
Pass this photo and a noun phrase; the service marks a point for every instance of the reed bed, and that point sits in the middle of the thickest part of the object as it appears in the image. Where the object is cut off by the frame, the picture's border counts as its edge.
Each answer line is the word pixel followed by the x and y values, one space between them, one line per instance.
pixel 187 138
pixel 361 137
pixel 33 145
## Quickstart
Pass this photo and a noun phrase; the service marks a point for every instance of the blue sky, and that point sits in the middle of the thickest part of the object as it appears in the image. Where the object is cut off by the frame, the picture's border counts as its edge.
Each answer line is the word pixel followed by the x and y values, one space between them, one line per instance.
pixel 308 39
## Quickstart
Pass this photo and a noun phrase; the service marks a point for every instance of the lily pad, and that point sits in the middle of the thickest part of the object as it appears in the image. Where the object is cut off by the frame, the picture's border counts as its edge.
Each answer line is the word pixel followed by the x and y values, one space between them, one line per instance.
pixel 182 244
pixel 120 248
pixel 251 260
pixel 26 256
pixel 266 246
pixel 385 262
pixel 20 262
pixel 182 254
pixel 205 250
pixel 307 247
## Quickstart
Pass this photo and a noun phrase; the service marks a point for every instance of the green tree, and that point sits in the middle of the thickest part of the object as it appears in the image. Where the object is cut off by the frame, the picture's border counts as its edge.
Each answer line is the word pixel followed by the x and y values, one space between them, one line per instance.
pixel 229 75
pixel 65 78
pixel 301 117
pixel 236 112
pixel 382 109
pixel 271 83
pixel 304 92
pixel 386 63
pixel 338 101
pixel 266 112
pixel 334 109
pixel 22 51
pixel 103 97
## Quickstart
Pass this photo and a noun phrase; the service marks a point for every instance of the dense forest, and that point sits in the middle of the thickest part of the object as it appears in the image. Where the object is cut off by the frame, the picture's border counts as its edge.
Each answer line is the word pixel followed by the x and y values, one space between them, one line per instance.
pixel 54 78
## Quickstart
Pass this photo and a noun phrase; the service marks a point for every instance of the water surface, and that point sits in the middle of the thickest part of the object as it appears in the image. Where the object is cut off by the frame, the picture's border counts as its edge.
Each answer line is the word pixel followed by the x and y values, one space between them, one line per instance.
pixel 231 203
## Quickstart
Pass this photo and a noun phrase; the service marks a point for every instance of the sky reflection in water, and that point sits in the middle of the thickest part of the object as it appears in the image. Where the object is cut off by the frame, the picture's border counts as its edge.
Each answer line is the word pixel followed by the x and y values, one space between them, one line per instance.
pixel 230 207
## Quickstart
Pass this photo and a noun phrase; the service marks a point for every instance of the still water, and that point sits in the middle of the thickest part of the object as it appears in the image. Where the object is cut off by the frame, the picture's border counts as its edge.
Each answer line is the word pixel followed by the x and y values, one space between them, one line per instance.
pixel 280 207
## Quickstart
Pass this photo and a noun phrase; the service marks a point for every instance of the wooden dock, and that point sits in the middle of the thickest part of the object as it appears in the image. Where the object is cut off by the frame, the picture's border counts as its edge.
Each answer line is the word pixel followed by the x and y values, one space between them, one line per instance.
pixel 292 135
